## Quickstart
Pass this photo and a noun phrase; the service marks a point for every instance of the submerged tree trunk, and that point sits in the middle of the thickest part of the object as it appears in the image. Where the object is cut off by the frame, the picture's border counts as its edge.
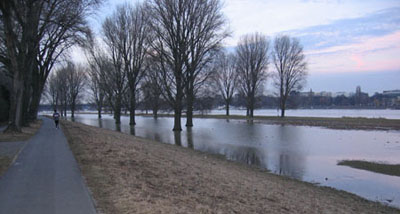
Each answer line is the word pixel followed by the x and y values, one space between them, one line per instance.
pixel 155 112
pixel 227 107
pixel 177 117
pixel 99 112
pixel 283 107
pixel 132 109
pixel 189 113
pixel 117 110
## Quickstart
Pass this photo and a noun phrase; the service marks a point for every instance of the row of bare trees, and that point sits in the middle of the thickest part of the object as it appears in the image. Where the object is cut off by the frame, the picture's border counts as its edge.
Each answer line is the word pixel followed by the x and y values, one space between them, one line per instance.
pixel 172 51
pixel 168 49
pixel 66 87
pixel 34 34
pixel 246 70
pixel 164 47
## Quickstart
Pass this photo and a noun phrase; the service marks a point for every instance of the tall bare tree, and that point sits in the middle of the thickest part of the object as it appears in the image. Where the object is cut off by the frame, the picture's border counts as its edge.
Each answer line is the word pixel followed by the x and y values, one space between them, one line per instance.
pixel 226 77
pixel 76 81
pixel 151 90
pixel 30 28
pixel 186 32
pixel 115 77
pixel 96 85
pixel 128 29
pixel 252 66
pixel 291 67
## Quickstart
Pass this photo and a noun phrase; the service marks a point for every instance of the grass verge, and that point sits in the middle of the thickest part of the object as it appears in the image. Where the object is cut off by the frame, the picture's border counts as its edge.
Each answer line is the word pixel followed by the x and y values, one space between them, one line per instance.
pixel 4 163
pixel 387 169
pixel 7 155
pixel 27 132
pixel 127 174
pixel 357 123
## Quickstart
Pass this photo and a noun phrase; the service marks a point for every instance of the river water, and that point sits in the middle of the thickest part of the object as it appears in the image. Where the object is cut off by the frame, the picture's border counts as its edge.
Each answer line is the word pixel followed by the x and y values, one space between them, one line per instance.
pixel 305 153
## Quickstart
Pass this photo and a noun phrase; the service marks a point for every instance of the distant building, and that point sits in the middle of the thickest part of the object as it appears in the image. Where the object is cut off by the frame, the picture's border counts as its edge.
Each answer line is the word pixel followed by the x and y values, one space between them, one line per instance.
pixel 392 93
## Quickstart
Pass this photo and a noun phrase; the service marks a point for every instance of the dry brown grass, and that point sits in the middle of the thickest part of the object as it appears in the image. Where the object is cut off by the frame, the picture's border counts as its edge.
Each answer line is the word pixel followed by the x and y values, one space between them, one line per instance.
pixel 4 163
pixel 127 174
pixel 27 132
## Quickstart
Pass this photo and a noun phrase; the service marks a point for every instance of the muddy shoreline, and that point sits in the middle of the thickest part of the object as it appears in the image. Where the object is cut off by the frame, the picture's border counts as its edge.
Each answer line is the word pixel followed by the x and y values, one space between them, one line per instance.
pixel 127 174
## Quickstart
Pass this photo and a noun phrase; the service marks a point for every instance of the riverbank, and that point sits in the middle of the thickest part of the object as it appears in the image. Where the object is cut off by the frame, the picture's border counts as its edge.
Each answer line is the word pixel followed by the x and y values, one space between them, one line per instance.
pixel 127 174
pixel 12 143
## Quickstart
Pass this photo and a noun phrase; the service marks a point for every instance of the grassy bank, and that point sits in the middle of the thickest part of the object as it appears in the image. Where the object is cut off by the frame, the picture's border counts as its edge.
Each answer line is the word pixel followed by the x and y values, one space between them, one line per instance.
pixel 357 123
pixel 27 132
pixel 387 169
pixel 10 143
pixel 127 174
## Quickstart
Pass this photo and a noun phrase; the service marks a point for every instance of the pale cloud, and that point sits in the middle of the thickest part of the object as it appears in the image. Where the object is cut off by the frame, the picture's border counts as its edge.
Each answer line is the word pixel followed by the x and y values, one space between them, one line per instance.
pixel 369 54
pixel 272 17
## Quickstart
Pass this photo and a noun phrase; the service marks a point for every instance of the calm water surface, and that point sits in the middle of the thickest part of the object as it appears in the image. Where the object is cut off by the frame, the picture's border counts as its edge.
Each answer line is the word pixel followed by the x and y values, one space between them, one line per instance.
pixel 305 153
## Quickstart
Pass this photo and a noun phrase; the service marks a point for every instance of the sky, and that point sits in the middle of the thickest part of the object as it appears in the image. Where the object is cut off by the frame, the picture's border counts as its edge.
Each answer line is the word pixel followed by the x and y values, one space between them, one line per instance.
pixel 347 43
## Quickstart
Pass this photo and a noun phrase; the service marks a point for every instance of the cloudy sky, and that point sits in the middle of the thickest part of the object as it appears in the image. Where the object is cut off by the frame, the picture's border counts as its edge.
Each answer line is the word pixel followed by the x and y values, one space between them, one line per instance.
pixel 347 42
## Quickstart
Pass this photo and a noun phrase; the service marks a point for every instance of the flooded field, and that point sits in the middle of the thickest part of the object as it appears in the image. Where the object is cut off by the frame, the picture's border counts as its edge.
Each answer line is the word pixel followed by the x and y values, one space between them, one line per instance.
pixel 305 153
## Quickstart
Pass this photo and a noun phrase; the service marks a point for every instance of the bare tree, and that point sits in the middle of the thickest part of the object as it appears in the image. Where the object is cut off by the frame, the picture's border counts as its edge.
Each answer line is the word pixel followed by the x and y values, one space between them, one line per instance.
pixel 226 77
pixel 115 77
pixel 151 90
pixel 291 68
pixel 185 35
pixel 52 91
pixel 252 65
pixel 96 86
pixel 30 28
pixel 76 81
pixel 127 30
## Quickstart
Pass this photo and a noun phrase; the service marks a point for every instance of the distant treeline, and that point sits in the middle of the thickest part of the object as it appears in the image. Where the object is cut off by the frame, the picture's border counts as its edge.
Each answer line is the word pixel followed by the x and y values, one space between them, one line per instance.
pixel 296 101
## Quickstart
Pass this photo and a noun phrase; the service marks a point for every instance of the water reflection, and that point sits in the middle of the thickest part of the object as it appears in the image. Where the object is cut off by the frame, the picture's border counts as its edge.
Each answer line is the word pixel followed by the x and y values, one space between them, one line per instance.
pixel 118 127
pixel 132 130
pixel 178 138
pixel 189 135
pixel 100 123
pixel 305 153
pixel 291 156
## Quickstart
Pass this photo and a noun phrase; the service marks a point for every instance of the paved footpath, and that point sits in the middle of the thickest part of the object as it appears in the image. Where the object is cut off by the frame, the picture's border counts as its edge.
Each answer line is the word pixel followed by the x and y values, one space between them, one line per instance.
pixel 45 178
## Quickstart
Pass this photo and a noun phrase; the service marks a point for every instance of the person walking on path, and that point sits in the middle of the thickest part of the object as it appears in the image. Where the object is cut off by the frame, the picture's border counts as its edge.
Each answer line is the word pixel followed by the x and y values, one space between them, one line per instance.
pixel 56 117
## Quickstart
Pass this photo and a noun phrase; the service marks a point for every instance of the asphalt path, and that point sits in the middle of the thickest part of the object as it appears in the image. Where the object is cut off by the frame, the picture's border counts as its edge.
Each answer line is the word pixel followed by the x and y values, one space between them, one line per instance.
pixel 45 178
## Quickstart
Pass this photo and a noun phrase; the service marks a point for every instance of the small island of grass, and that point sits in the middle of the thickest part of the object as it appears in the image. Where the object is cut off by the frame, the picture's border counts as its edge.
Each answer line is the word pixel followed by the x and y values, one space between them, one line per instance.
pixel 383 168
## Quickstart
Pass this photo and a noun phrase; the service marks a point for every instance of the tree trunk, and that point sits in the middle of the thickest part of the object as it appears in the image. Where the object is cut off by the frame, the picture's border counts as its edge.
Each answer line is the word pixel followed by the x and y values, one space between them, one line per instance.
pixel 189 113
pixel 73 109
pixel 251 106
pixel 117 110
pixel 27 100
pixel 227 107
pixel 132 109
pixel 37 90
pixel 16 104
pixel 99 112
pixel 283 106
pixel 177 118
pixel 283 112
